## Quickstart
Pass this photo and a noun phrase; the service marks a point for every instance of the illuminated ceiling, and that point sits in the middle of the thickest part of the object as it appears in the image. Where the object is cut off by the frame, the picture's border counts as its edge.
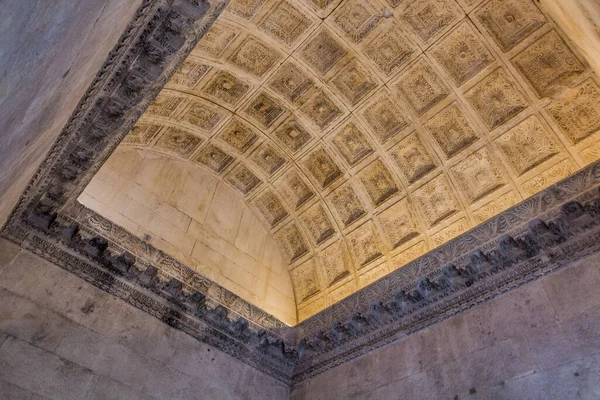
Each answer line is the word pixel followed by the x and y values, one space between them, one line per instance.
pixel 365 133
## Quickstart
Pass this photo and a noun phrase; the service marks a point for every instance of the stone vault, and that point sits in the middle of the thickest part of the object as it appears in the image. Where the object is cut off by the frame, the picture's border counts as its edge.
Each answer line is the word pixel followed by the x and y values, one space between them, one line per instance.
pixel 355 136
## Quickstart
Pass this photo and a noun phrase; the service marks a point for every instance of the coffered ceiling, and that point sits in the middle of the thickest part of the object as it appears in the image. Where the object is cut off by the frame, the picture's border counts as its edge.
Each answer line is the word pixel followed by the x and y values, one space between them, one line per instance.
pixel 365 133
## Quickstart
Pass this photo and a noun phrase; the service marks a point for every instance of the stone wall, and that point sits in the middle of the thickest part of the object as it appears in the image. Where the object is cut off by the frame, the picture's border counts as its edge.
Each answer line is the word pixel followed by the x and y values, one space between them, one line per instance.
pixel 194 217
pixel 61 338
pixel 50 52
pixel 541 341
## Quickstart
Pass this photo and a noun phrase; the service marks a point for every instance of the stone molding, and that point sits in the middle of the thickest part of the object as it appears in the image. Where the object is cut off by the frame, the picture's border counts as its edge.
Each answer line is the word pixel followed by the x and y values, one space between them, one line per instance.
pixel 534 238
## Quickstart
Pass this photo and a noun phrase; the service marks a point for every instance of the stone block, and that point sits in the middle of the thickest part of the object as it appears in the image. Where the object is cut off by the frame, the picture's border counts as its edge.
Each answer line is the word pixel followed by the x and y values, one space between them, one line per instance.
pixel 508 316
pixel 44 373
pixel 251 236
pixel 30 322
pixel 225 213
pixel 138 213
pixel 163 382
pixel 574 289
pixel 47 284
pixel 174 216
pixel 81 345
pixel 574 380
pixel 13 392
pixel 492 365
pixel 122 364
pixel 8 251
pixel 109 389
pixel 172 234
pixel 157 340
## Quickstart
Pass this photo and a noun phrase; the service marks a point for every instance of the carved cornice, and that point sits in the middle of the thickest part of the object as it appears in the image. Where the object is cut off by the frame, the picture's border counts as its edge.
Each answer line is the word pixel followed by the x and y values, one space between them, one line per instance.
pixel 534 238
pixel 539 236
pixel 45 220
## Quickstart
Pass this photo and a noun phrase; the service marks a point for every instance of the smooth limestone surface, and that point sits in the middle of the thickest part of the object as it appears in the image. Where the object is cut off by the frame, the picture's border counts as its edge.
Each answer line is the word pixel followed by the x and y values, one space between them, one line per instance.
pixel 539 342
pixel 50 52
pixel 61 338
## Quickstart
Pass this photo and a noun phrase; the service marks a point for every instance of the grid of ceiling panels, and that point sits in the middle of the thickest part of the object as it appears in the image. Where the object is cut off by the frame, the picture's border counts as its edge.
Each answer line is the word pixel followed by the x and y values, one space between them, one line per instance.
pixel 366 133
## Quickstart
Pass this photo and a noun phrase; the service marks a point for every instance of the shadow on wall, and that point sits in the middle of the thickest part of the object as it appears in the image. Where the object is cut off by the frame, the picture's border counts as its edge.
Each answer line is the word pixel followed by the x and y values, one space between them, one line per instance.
pixel 192 216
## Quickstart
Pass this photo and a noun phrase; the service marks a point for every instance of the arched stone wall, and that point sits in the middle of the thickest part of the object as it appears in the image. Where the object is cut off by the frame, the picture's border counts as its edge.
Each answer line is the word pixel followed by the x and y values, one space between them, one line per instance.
pixel 194 217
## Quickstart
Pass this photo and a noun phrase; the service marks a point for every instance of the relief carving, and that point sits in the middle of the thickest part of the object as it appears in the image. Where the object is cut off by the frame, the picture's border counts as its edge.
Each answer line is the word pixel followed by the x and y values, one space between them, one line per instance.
pixel 421 87
pixel 384 118
pixel 478 175
pixel 306 281
pixel 578 114
pixel 335 263
pixel 450 232
pixel 320 109
pixel 254 57
pixel 244 180
pixel 390 50
pixel 352 144
pixel 365 244
pixel 322 51
pixel 226 87
pixel 549 177
pixel 317 224
pixel 142 133
pixel 436 200
pixel 346 204
pixel 462 54
pixel 245 9
pixel 164 105
pixel 398 223
pixel 292 135
pixel 356 18
pixel 203 115
pixel 270 207
pixel 322 168
pixel 189 74
pixel 510 21
pixel 217 39
pixel 496 206
pixel 413 158
pixel 291 242
pixel 527 145
pixel 285 23
pixel 378 182
pixel 179 141
pixel 548 64
pixel 238 135
pixel 267 158
pixel 451 130
pixel 496 99
pixel 290 82
pixel 428 18
pixel 214 158
pixel 353 82
pixel 264 109
pixel 293 189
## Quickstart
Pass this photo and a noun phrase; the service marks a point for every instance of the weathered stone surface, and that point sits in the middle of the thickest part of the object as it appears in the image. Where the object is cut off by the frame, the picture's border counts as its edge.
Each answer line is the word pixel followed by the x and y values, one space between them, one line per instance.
pixel 511 347
pixel 474 182
pixel 115 351
pixel 50 67
pixel 42 372
pixel 8 252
